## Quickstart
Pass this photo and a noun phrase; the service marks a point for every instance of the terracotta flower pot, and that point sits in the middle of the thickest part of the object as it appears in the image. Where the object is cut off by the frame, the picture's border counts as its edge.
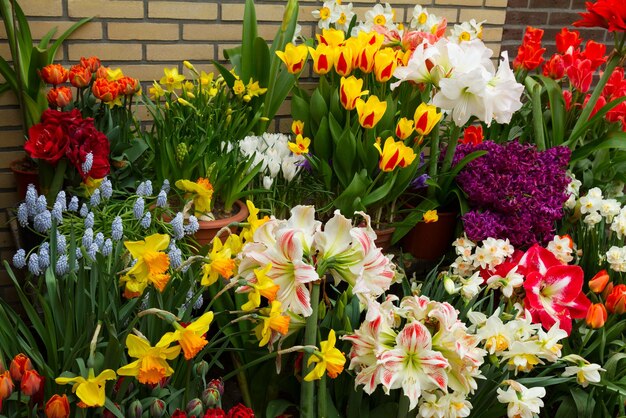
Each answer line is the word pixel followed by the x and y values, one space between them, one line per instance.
pixel 383 238
pixel 430 241
pixel 25 173
pixel 208 229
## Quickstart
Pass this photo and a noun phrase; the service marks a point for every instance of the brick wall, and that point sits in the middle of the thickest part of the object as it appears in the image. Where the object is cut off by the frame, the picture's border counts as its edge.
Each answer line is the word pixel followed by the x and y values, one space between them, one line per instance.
pixel 143 36
pixel 550 15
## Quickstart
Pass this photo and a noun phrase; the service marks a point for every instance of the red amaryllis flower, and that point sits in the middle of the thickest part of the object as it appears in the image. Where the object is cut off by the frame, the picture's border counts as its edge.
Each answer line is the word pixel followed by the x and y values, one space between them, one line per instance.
pixel 472 135
pixel 616 301
pixel 608 14
pixel 54 74
pixel 240 411
pixel 530 52
pixel 92 63
pixel 59 96
pixel 57 407
pixel 80 76
pixel 566 39
pixel 19 365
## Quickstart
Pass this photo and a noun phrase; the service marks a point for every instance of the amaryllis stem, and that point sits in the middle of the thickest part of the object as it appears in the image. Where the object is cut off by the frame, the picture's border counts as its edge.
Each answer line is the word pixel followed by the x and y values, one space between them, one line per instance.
pixel 307 392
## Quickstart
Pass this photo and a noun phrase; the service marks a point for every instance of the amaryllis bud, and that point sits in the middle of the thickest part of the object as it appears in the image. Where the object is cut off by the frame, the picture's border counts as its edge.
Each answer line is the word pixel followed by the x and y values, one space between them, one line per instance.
pixel 19 365
pixel 194 407
pixel 59 96
pixel 54 74
pixel 135 410
pixel 211 397
pixel 201 368
pixel 80 76
pixel 57 407
pixel 596 316
pixel 599 281
pixel 616 301
pixel 218 384
pixel 157 409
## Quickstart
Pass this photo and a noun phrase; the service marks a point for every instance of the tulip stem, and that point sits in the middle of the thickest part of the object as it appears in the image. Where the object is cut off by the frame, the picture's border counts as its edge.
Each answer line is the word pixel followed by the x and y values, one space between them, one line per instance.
pixel 433 161
pixel 307 392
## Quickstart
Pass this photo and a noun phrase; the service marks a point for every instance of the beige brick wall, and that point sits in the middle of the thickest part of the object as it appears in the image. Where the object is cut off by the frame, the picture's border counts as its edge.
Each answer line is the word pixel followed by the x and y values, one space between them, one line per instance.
pixel 143 36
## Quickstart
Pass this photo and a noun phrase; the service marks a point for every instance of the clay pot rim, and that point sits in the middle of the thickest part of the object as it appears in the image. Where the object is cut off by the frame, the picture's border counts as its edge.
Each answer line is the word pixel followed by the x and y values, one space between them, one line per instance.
pixel 237 217
pixel 16 168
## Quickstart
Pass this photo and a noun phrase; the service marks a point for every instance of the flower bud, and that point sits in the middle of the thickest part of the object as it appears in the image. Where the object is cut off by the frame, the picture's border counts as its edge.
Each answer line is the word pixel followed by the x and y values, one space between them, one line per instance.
pixel 599 281
pixel 217 384
pixel 157 409
pixel 211 397
pixel 448 284
pixel 32 383
pixel 6 386
pixel 607 290
pixel 201 368
pixel 135 410
pixel 19 365
pixel 194 407
pixel 57 407
pixel 596 316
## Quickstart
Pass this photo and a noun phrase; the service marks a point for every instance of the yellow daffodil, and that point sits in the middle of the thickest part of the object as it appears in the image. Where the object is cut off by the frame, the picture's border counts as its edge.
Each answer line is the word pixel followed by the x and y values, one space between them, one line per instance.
pixel 431 216
pixel 220 264
pixel 90 185
pixel 151 365
pixel 151 266
pixel 343 60
pixel 114 75
pixel 426 117
pixel 394 154
pixel 202 191
pixel 234 244
pixel 190 67
pixel 191 338
pixel 172 80
pixel 273 320
pixel 331 37
pixel 294 57
pixel 297 127
pixel 90 391
pixel 329 359
pixel 254 90
pixel 253 221
pixel 322 58
pixel 385 63
pixel 156 91
pixel 239 88
pixel 404 128
pixel 264 286
pixel 370 112
pixel 350 91
pixel 206 79
pixel 301 146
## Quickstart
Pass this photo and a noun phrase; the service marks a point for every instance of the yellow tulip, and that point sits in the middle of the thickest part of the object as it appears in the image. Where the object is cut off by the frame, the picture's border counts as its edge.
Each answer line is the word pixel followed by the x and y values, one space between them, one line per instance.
pixel 370 112
pixel 385 63
pixel 331 37
pixel 329 359
pixel 394 154
pixel 322 59
pixel 343 60
pixel 431 216
pixel 301 146
pixel 365 59
pixel 426 117
pixel 404 128
pixel 372 38
pixel 297 127
pixel 350 91
pixel 294 57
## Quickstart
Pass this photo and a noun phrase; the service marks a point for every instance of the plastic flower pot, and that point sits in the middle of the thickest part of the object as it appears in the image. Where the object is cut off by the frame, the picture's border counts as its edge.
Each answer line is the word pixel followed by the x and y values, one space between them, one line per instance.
pixel 430 241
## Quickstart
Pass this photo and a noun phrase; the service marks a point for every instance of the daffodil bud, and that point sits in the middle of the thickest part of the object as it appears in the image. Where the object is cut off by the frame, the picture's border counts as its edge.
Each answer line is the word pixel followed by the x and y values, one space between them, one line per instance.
pixel 448 284
pixel 157 409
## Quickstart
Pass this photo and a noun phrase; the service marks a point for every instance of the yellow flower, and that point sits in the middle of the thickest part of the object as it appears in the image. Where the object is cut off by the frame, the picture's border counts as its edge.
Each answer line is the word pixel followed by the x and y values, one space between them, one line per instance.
pixel 297 127
pixel 91 390
pixel 190 67
pixel 431 216
pixel 192 338
pixel 275 321
pixel 301 146
pixel 426 117
pixel 220 264
pixel 151 264
pixel 156 91
pixel 343 60
pixel 172 80
pixel 394 154
pixel 253 221
pixel 329 359
pixel 370 112
pixel 404 128
pixel 331 37
pixel 322 58
pixel 294 57
pixel 264 286
pixel 206 79
pixel 239 88
pixel 254 90
pixel 113 75
pixel 350 91
pixel 90 185
pixel 151 365
pixel 385 63
pixel 234 244
pixel 202 191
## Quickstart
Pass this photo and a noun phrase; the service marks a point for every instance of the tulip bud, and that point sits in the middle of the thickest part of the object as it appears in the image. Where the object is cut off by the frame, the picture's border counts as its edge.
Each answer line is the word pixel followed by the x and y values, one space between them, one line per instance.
pixel 32 383
pixel 6 386
pixel 211 397
pixel 616 301
pixel 598 282
pixel 135 410
pixel 19 365
pixel 404 128
pixel 59 96
pixel 109 414
pixel 201 369
pixel 596 316
pixel 607 290
pixel 57 407
pixel 157 409
pixel 194 407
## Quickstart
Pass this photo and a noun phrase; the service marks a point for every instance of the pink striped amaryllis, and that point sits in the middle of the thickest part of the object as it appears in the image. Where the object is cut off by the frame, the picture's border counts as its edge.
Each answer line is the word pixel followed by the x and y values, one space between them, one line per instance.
pixel 301 250
pixel 553 289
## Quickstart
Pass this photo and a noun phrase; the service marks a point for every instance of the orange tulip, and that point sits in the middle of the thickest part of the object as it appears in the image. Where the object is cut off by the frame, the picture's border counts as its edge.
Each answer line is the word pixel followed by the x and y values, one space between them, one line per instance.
pixel 92 63
pixel 59 96
pixel 105 90
pixel 57 407
pixel 616 301
pixel 19 365
pixel 596 316
pixel 599 281
pixel 79 76
pixel 32 383
pixel 128 86
pixel 6 387
pixel 54 74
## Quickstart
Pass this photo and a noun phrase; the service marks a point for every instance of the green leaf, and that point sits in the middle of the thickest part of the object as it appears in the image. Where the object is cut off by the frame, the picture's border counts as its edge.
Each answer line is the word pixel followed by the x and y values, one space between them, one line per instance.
pixel 343 158
pixel 319 108
pixel 402 228
pixel 322 143
pixel 229 77
pixel 380 193
pixel 110 406
pixel 349 200
pixel 261 62
pixel 65 35
pixel 557 109
pixel 249 34
pixel 616 140
pixel 276 407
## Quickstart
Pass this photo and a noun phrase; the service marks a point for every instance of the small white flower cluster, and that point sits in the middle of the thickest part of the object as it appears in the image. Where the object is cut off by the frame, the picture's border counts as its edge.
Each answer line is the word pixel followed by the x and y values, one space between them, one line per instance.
pixel 334 13
pixel 616 257
pixel 595 207
pixel 467 31
pixel 489 254
pixel 273 152
pixel 422 20
pixel 521 401
pixel 563 248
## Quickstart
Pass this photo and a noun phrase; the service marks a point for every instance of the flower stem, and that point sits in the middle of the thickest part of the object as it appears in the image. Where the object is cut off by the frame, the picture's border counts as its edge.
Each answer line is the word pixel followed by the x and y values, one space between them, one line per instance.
pixel 307 392
pixel 434 159
pixel 403 406
pixel 321 398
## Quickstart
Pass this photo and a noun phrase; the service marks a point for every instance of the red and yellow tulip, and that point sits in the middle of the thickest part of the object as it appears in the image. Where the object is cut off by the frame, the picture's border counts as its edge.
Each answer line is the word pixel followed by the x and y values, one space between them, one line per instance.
pixel 394 154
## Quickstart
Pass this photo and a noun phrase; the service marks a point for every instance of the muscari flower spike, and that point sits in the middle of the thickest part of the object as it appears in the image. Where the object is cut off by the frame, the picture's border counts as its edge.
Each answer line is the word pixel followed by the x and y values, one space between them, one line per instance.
pixel 117 229
pixel 19 258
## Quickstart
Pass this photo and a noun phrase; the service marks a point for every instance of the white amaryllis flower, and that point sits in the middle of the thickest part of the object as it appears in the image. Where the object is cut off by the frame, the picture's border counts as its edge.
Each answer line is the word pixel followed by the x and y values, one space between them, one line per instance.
pixel 418 68
pixel 412 365
pixel 503 93
pixel 522 402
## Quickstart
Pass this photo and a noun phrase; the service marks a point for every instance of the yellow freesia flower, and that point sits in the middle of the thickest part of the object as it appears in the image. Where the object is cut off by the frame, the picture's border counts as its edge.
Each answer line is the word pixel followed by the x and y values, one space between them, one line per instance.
pixel 370 112
pixel 202 194
pixel 254 90
pixel 151 266
pixel 431 216
pixel 191 338
pixel 275 321
pixel 151 365
pixel 253 221
pixel 301 146
pixel 350 89
pixel 294 57
pixel 264 286
pixel 220 264
pixel 394 154
pixel 91 390
pixel 172 80
pixel 426 117
pixel 329 359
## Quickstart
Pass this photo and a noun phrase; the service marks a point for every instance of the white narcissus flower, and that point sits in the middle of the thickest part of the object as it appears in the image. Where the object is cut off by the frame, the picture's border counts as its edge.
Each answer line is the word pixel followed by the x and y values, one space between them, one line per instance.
pixel 327 14
pixel 345 17
pixel 467 31
pixel 448 405
pixel 591 201
pixel 549 342
pixel 523 356
pixel 471 286
pixel 381 16
pixel 522 402
pixel 616 257
pixel 562 248
pixel 508 283
pixel 584 371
